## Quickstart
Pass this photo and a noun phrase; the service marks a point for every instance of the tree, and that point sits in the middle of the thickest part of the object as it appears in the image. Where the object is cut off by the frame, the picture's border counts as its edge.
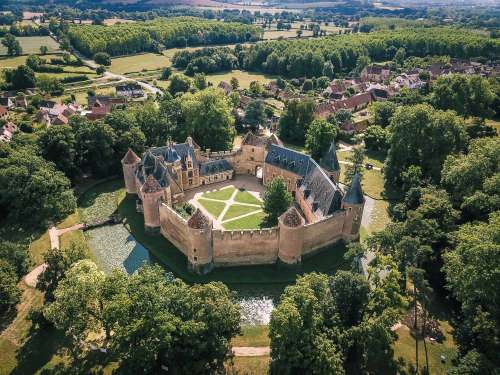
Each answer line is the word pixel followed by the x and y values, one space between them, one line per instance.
pixel 328 70
pixel 295 120
pixel 33 189
pixel 12 45
pixel 255 113
pixel 208 118
pixel 319 137
pixel 9 293
pixel 34 62
pixel 100 70
pixel 179 83
pixel 64 44
pixel 235 83
pixel 16 255
pixel 166 73
pixel 22 77
pixel 58 145
pixel 50 85
pixel 376 138
pixel 58 262
pixel 256 88
pixel 355 164
pixel 400 56
pixel 44 50
pixel 362 62
pixel 307 85
pixel 102 58
pixel 200 81
pixel 78 301
pixel 424 137
pixel 382 112
pixel 343 116
pixel 277 200
pixel 471 270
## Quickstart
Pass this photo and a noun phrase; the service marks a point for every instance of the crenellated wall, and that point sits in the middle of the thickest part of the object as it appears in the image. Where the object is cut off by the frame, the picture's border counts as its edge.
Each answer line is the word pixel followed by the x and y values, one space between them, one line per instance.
pixel 174 228
pixel 323 233
pixel 245 247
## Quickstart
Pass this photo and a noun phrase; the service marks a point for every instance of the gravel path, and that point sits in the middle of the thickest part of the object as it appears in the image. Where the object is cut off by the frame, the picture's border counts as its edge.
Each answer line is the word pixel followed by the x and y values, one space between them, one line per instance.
pixel 249 351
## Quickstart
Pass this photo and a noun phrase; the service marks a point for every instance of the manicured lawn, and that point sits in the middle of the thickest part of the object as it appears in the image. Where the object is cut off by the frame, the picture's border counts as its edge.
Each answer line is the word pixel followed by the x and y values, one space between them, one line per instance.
pixel 222 194
pixel 246 197
pixel 404 348
pixel 244 78
pixel 237 210
pixel 137 63
pixel 247 222
pixel 252 336
pixel 215 208
pixel 375 158
pixel 31 44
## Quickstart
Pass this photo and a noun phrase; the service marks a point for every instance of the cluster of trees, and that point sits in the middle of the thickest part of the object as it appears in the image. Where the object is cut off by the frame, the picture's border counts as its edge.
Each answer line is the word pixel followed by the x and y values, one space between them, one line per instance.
pixel 12 44
pixel 13 266
pixel 123 39
pixel 299 58
pixel 206 60
pixel 25 30
pixel 147 320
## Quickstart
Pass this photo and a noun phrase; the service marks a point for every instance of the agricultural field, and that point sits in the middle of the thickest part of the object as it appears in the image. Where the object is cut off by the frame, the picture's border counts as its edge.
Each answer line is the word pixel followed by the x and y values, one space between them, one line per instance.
pixel 113 21
pixel 244 78
pixel 32 44
pixel 137 63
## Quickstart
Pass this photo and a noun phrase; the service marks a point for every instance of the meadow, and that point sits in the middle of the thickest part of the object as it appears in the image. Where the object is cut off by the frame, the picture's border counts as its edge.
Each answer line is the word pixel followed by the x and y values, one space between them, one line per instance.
pixel 32 44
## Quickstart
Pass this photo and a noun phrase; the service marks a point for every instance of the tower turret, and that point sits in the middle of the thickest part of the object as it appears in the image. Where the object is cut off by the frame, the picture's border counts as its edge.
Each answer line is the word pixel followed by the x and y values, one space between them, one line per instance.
pixel 200 254
pixel 291 238
pixel 353 204
pixel 330 163
pixel 130 163
pixel 152 196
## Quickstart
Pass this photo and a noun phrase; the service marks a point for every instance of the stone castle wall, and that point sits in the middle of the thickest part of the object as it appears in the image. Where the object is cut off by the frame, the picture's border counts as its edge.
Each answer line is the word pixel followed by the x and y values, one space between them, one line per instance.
pixel 323 233
pixel 174 228
pixel 245 247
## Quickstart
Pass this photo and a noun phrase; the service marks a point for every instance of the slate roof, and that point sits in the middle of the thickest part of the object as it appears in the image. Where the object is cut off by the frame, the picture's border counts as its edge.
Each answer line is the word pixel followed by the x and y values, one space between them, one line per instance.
pixel 130 157
pixel 329 161
pixel 198 220
pixel 319 191
pixel 151 185
pixel 215 166
pixel 354 194
pixel 288 159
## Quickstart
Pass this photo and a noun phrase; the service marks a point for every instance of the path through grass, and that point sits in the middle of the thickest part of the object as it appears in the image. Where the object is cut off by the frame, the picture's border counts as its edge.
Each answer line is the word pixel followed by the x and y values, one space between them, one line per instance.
pixel 213 207
pixel 237 210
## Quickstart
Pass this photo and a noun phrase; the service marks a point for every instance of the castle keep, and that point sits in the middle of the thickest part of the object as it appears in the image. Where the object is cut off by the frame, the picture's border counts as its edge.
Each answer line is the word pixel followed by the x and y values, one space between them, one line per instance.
pixel 323 212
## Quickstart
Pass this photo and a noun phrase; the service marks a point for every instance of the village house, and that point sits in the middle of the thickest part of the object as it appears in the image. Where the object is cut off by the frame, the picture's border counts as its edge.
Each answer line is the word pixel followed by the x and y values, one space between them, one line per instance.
pixel 375 73
pixel 100 106
pixel 130 90
pixel 4 113
pixel 226 87
pixel 407 80
pixel 7 102
pixel 53 113
pixel 21 102
pixel 7 132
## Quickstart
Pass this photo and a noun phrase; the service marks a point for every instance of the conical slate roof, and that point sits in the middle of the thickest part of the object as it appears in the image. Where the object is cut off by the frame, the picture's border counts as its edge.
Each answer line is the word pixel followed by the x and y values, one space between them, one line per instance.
pixel 130 157
pixel 151 185
pixel 355 193
pixel 329 161
pixel 198 220
pixel 292 218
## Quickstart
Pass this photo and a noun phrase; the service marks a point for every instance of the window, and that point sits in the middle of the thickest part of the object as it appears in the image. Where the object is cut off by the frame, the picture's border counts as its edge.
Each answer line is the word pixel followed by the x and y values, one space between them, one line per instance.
pixel 190 165
pixel 194 250
pixel 252 158
pixel 190 181
pixel 253 149
pixel 190 174
pixel 195 259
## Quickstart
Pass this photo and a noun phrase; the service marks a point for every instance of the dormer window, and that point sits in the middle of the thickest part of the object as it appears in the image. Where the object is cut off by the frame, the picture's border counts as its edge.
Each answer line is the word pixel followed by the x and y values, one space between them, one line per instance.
pixel 189 164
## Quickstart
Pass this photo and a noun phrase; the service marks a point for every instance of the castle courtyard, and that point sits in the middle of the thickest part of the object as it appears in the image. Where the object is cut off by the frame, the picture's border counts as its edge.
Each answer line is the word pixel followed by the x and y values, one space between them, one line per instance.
pixel 232 204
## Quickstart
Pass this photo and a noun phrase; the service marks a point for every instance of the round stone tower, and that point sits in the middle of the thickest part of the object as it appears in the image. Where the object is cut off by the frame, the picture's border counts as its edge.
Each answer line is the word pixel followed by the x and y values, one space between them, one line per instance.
pixel 200 253
pixel 152 196
pixel 353 204
pixel 130 163
pixel 291 237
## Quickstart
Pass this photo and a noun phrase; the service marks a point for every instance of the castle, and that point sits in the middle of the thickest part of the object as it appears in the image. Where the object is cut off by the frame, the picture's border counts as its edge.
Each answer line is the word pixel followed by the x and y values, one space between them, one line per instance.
pixel 323 213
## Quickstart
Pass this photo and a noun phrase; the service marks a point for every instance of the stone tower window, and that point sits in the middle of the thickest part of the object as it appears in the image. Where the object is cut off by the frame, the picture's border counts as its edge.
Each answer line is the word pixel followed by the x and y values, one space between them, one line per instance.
pixel 195 259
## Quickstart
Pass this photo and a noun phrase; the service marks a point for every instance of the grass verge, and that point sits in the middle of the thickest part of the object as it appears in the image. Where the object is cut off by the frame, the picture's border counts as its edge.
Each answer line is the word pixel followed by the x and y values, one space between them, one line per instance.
pixel 248 222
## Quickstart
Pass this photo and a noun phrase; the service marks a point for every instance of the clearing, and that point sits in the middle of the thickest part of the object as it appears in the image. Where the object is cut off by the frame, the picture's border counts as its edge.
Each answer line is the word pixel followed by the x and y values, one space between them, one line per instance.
pixel 244 78
pixel 32 44
pixel 138 63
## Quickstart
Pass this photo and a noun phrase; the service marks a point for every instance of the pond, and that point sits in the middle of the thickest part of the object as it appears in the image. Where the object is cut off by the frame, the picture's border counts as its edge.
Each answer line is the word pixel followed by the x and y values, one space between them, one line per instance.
pixel 113 246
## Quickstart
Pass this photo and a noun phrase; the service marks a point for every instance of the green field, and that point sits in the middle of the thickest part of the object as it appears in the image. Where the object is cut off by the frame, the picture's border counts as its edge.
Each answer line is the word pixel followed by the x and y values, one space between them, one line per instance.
pixel 246 197
pixel 31 44
pixel 248 222
pixel 137 63
pixel 237 210
pixel 222 194
pixel 244 78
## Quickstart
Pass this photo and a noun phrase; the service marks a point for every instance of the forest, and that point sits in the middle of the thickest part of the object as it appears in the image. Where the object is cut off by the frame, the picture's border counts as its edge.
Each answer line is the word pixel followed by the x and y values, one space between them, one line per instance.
pixel 148 36
pixel 307 57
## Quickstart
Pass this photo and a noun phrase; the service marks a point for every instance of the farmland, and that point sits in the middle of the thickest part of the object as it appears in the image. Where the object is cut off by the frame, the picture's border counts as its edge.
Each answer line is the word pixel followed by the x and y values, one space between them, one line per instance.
pixel 32 44
pixel 137 63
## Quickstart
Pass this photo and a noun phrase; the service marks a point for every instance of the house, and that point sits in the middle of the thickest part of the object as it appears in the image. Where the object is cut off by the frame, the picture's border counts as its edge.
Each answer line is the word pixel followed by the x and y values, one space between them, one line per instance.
pixel 410 81
pixel 130 90
pixel 226 87
pixel 100 106
pixel 375 73
pixel 7 132
pixel 21 102
pixel 60 120
pixel 7 102
pixel 354 103
pixel 3 113
pixel 53 113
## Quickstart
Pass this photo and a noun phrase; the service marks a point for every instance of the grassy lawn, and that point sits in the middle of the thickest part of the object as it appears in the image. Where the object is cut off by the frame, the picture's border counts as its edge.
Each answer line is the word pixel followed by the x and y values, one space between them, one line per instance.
pixel 222 194
pixel 137 63
pixel 247 222
pixel 249 365
pixel 31 44
pixel 246 197
pixel 252 336
pixel 277 34
pixel 295 147
pixel 372 182
pixel 214 208
pixel 237 210
pixel 380 217
pixel 244 78
pixel 404 348
pixel 375 158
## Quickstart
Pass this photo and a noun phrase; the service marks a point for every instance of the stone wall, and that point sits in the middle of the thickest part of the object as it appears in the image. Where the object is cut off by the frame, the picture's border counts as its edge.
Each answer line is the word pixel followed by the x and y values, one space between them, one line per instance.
pixel 174 228
pixel 271 172
pixel 323 233
pixel 245 247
